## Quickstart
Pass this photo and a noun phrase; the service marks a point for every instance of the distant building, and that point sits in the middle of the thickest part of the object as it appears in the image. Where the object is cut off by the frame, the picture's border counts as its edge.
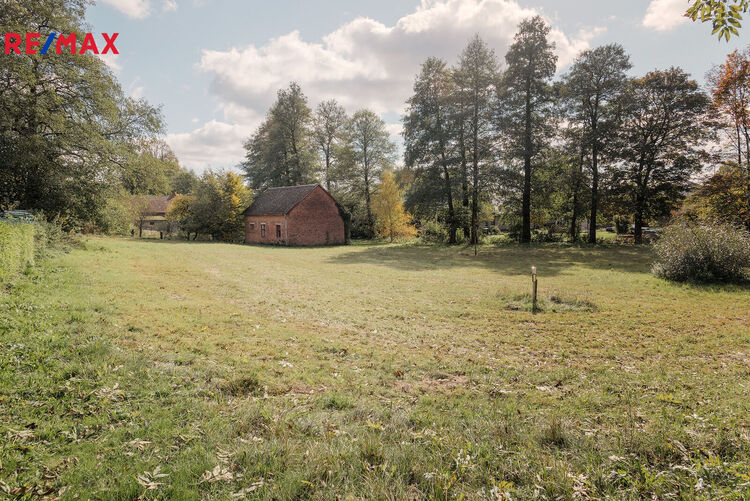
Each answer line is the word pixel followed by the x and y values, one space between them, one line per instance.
pixel 152 213
pixel 296 215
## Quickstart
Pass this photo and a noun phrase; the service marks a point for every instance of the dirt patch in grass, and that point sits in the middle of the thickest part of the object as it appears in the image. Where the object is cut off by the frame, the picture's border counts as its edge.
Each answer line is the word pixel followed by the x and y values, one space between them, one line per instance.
pixel 550 303
pixel 243 386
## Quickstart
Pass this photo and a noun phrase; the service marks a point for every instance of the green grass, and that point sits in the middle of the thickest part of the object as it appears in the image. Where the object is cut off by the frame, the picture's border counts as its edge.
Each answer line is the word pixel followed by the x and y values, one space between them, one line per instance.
pixel 197 370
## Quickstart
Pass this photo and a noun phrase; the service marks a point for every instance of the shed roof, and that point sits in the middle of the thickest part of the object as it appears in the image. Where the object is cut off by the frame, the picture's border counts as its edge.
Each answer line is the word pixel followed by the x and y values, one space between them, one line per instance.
pixel 158 204
pixel 279 200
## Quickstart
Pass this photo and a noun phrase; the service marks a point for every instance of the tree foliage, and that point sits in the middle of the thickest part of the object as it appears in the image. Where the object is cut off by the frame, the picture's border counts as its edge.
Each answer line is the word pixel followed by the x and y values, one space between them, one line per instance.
pixel 475 79
pixel 590 92
pixel 721 197
pixel 216 208
pixel 373 151
pixel 330 138
pixel 430 148
pixel 391 220
pixel 66 127
pixel 724 15
pixel 659 139
pixel 526 102
pixel 282 151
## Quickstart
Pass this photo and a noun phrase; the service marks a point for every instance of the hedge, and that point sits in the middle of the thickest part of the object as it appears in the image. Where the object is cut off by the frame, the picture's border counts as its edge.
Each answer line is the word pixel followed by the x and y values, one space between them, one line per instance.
pixel 16 248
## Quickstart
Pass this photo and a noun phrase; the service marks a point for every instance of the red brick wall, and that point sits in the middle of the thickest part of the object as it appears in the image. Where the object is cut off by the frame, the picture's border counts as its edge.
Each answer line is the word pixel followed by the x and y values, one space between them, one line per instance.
pixel 316 221
pixel 254 235
pixel 313 221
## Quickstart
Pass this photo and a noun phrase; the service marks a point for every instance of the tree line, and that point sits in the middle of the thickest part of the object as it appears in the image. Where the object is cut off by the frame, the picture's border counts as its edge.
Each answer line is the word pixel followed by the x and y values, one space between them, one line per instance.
pixel 75 147
pixel 484 139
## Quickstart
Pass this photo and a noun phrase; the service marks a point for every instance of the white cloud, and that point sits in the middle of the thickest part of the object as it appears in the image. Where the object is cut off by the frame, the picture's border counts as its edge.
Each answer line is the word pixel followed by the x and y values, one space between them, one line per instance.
pixel 214 145
pixel 140 9
pixel 169 6
pixel 136 91
pixel 365 63
pixel 664 15
pixel 137 9
pixel 110 60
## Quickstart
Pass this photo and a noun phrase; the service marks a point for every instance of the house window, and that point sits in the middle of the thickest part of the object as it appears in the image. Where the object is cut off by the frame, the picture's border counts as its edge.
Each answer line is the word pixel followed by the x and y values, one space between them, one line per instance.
pixel 252 226
pixel 263 230
pixel 278 231
pixel 151 223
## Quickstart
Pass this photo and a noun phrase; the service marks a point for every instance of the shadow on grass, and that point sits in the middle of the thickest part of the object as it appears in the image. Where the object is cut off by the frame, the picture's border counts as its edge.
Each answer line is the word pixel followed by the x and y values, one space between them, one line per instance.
pixel 550 260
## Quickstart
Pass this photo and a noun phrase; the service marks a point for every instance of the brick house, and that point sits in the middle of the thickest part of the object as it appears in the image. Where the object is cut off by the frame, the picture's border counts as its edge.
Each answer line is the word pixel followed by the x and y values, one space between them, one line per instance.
pixel 296 215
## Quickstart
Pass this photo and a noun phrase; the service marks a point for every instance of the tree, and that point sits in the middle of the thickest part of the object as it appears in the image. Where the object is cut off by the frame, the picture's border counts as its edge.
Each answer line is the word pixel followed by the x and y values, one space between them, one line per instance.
pixel 66 127
pixel 281 151
pixel 180 214
pixel 525 101
pixel 659 138
pixel 373 151
pixel 184 182
pixel 217 209
pixel 329 130
pixel 427 132
pixel 474 78
pixel 722 197
pixel 590 89
pixel 150 168
pixel 139 212
pixel 392 221
pixel 725 15
pixel 730 94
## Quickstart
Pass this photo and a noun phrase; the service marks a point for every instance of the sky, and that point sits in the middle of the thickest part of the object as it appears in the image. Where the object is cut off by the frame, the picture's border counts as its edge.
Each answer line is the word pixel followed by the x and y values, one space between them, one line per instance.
pixel 214 66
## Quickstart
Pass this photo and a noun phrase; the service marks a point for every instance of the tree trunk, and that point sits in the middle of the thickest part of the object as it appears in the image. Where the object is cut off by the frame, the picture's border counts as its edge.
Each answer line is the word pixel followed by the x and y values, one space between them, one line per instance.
pixel 140 229
pixel 526 202
pixel 475 173
pixel 594 188
pixel 739 144
pixel 638 233
pixel 328 166
pixel 475 214
pixel 452 226
pixel 576 188
pixel 464 183
pixel 747 174
pixel 370 222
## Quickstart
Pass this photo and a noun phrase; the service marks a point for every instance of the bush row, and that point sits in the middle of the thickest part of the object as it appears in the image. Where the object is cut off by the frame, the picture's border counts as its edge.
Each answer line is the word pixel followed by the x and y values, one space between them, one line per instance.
pixel 16 248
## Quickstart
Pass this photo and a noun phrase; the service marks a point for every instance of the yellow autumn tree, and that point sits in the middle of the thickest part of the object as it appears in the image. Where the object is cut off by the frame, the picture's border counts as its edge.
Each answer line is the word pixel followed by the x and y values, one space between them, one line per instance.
pixel 391 220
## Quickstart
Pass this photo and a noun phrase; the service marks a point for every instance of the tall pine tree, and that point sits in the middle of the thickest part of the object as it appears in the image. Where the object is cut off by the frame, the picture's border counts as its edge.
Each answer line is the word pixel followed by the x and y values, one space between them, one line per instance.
pixel 281 152
pixel 475 78
pixel 427 134
pixel 526 102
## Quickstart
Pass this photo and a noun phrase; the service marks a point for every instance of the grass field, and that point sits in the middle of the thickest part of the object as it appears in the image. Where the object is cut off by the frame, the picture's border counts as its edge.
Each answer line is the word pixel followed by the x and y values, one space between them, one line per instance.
pixel 159 369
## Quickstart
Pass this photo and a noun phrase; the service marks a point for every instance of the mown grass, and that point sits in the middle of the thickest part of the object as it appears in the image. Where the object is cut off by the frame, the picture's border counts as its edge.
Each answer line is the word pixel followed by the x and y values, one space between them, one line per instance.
pixel 195 370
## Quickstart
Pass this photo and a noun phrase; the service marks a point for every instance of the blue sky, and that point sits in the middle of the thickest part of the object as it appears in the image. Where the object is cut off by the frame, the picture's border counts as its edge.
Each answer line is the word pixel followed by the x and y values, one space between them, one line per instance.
pixel 215 65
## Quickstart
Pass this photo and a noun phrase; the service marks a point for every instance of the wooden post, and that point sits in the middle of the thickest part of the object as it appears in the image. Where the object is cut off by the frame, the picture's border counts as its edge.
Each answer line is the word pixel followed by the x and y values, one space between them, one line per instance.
pixel 533 289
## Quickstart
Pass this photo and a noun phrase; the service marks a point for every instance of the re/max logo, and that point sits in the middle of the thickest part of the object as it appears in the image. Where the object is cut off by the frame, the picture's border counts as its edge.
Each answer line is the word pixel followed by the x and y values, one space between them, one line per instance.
pixel 13 43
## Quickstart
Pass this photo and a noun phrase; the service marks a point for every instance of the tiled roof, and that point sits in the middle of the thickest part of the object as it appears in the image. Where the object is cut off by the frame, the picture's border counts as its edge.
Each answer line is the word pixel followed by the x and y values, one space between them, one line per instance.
pixel 157 204
pixel 279 200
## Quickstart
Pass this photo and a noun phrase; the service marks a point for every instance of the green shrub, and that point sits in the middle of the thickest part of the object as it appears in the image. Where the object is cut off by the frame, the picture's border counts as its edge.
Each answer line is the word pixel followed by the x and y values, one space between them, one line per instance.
pixel 51 236
pixel 16 248
pixel 432 231
pixel 622 224
pixel 703 253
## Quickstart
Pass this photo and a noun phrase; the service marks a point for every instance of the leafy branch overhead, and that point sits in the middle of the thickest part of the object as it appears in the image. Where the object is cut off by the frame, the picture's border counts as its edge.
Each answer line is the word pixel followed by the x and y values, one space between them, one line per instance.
pixel 725 15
